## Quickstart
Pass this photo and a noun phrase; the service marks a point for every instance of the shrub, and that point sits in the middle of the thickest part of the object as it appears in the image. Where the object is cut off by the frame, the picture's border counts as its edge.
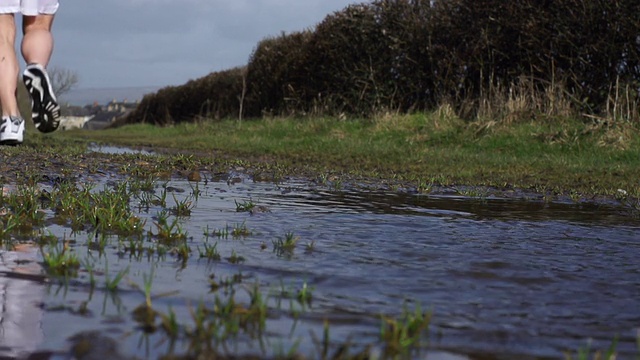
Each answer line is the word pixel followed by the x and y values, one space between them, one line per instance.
pixel 217 96
pixel 277 75
pixel 406 55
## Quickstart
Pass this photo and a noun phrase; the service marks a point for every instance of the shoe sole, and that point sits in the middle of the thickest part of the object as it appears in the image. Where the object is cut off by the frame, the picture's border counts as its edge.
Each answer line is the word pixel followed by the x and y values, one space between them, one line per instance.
pixel 45 110
pixel 10 142
pixel 12 138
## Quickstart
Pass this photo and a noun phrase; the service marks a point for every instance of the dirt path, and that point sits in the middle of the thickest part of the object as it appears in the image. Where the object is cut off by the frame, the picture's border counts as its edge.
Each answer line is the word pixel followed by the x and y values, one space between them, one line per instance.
pixel 52 162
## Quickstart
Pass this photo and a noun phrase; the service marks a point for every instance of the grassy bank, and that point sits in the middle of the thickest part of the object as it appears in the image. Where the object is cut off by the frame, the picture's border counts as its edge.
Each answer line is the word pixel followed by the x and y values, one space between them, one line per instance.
pixel 559 156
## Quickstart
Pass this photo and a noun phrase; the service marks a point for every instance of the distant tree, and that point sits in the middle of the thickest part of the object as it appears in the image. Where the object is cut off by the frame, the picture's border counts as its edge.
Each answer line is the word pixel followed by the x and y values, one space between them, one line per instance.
pixel 62 80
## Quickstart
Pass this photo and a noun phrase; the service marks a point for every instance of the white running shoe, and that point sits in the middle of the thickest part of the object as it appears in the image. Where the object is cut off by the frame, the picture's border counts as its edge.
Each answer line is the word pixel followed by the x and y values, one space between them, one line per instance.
pixel 11 130
pixel 44 106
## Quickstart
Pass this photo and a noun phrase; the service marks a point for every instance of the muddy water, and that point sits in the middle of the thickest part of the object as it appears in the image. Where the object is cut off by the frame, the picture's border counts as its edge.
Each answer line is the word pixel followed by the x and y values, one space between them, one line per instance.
pixel 503 278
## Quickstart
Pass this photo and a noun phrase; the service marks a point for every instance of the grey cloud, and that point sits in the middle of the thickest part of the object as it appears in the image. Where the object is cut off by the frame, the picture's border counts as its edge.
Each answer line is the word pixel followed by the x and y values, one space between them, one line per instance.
pixel 161 42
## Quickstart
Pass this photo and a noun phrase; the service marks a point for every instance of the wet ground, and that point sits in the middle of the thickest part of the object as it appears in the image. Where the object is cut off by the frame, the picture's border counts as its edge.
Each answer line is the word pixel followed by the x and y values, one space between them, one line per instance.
pixel 505 275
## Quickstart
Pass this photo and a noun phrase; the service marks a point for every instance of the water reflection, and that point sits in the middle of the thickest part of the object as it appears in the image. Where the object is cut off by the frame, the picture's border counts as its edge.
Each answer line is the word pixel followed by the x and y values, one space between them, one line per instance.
pixel 501 275
pixel 22 291
pixel 108 149
pixel 527 279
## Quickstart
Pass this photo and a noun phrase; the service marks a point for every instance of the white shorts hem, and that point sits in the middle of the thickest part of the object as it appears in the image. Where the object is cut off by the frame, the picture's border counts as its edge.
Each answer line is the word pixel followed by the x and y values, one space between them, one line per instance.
pixel 9 10
pixel 29 8
pixel 44 11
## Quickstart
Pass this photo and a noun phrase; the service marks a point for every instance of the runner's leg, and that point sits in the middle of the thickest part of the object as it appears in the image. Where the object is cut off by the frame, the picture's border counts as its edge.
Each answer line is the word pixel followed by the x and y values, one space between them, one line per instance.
pixel 9 67
pixel 37 44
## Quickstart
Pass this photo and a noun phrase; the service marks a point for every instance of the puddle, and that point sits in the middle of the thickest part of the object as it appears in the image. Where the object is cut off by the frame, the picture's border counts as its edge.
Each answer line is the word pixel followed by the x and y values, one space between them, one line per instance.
pixel 116 150
pixel 503 278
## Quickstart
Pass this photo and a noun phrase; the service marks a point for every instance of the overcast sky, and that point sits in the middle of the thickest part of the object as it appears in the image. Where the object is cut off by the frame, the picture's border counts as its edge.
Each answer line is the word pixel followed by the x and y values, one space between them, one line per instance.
pixel 122 43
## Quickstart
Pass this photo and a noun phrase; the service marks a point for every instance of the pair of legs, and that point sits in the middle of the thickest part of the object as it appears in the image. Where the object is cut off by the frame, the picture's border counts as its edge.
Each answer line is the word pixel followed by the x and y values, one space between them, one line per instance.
pixel 37 46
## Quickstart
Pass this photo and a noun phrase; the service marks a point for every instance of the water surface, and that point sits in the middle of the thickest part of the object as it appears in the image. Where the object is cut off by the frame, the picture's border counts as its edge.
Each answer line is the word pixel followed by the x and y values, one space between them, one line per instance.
pixel 503 278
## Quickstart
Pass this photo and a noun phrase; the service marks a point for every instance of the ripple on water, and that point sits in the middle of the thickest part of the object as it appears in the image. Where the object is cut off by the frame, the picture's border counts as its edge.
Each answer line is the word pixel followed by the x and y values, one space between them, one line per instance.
pixel 501 276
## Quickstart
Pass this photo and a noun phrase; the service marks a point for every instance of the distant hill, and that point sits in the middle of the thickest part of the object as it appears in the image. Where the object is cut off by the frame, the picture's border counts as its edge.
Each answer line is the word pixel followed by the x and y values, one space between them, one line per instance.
pixel 82 97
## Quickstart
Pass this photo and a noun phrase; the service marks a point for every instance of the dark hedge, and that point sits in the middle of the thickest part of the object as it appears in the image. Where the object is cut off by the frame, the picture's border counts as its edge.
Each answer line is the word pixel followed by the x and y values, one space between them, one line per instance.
pixel 406 55
pixel 216 95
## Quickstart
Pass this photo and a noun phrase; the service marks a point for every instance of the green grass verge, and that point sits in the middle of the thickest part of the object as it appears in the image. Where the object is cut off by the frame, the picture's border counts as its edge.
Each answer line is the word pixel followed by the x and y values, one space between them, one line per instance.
pixel 563 155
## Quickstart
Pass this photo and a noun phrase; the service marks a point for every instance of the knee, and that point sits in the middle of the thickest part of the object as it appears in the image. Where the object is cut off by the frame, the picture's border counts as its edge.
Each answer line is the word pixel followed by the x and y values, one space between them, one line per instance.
pixel 7 40
pixel 7 32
